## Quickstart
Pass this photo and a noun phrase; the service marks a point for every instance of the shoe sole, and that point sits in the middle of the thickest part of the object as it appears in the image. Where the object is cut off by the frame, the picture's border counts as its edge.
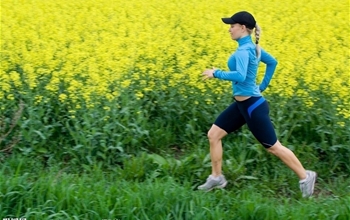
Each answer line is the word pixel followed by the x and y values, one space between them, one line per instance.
pixel 217 187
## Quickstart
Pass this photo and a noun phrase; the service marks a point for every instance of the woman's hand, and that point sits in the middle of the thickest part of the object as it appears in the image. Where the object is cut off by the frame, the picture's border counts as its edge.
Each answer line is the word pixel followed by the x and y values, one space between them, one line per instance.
pixel 208 73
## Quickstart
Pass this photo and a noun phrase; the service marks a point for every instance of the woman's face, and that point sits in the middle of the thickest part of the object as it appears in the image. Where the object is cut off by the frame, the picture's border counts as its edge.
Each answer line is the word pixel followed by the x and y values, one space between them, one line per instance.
pixel 237 31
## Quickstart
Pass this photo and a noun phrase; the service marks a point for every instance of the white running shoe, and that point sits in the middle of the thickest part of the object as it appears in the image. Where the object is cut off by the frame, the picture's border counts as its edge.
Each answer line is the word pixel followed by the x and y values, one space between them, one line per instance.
pixel 213 182
pixel 308 184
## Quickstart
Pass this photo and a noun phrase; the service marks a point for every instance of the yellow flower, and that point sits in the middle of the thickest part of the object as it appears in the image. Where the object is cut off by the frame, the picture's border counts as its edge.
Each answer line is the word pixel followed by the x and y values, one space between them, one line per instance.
pixel 107 108
pixel 10 97
pixel 38 99
pixel 139 95
pixel 341 123
pixel 15 78
pixel 62 97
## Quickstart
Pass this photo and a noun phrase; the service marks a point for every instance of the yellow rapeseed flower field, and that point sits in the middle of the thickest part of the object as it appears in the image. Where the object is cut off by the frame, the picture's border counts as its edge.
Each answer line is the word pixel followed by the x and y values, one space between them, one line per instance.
pixel 90 46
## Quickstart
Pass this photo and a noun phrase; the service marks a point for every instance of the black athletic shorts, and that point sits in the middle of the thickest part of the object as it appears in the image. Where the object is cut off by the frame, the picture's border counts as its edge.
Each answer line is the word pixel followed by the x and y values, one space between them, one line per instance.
pixel 253 111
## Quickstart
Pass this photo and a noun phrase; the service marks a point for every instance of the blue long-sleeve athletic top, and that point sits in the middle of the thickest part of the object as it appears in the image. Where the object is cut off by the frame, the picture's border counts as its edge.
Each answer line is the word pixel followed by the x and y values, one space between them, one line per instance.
pixel 243 66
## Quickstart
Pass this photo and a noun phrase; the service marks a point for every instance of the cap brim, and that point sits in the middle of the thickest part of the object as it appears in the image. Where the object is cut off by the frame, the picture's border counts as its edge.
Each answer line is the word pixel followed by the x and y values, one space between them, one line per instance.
pixel 228 20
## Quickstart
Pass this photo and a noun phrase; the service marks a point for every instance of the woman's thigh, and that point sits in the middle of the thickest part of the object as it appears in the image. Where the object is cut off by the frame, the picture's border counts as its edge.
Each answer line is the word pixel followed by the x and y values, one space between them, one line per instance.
pixel 230 119
pixel 256 114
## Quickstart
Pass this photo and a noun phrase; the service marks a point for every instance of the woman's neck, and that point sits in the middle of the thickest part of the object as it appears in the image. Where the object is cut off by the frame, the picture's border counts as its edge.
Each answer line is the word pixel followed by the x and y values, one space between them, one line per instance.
pixel 244 39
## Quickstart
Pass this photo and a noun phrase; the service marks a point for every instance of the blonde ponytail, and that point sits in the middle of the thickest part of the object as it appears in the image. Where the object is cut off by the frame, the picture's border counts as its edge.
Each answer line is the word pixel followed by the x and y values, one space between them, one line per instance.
pixel 257 38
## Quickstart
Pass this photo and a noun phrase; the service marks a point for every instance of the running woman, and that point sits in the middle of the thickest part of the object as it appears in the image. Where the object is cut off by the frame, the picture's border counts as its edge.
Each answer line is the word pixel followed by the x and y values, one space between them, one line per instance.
pixel 250 107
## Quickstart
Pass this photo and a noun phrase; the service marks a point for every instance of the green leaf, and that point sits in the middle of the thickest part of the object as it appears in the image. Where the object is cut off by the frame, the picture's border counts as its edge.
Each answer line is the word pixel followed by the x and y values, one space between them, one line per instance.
pixel 246 177
pixel 158 159
pixel 42 150
pixel 40 134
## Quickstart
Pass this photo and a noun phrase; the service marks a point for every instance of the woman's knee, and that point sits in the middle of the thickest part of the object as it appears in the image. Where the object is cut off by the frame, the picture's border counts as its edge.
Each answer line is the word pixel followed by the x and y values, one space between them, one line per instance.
pixel 211 134
pixel 274 149
pixel 216 133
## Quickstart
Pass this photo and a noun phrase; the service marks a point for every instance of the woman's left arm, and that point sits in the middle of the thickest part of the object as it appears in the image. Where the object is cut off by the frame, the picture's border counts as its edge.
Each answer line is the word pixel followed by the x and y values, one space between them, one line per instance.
pixel 271 64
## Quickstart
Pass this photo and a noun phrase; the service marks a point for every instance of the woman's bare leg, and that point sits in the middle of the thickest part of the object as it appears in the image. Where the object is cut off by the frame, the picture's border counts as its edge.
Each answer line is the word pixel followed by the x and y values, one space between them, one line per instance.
pixel 289 158
pixel 215 135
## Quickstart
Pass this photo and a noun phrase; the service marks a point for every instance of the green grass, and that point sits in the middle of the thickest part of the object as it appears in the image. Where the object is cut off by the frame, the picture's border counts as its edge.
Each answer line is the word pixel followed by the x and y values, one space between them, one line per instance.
pixel 30 190
pixel 132 164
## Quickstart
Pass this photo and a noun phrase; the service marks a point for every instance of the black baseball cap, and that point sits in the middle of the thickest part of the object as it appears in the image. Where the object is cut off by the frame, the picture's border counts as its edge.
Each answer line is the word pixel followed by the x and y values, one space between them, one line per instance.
pixel 243 18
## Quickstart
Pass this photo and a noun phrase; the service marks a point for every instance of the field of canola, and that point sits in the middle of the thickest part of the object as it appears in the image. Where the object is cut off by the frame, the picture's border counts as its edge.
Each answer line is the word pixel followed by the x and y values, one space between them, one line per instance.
pixel 103 109
pixel 75 51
